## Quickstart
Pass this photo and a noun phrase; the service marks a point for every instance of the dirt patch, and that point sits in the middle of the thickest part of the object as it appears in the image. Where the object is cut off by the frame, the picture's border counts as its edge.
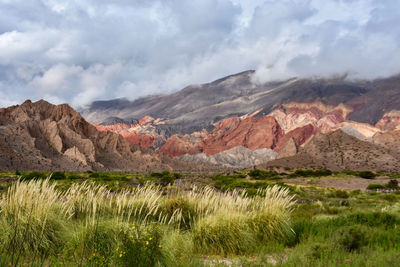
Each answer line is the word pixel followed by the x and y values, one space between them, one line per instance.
pixel 339 183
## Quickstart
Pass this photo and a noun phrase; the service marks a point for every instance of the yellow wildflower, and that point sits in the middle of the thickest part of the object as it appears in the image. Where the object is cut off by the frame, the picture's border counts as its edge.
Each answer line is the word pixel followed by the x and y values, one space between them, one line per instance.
pixel 94 254
pixel 150 238
pixel 147 242
pixel 120 255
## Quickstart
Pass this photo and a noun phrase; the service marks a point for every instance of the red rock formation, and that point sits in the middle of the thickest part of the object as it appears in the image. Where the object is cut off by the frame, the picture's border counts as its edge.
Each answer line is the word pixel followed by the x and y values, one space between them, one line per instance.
pixel 132 133
pixel 299 135
pixel 178 145
pixel 251 132
pixel 112 128
pixel 143 140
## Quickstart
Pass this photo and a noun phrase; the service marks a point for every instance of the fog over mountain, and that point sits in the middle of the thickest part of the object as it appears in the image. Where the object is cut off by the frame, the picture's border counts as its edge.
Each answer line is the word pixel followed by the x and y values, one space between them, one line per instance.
pixel 81 51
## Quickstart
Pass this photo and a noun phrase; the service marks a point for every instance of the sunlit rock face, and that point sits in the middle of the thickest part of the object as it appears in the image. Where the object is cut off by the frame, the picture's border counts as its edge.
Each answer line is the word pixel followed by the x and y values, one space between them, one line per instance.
pixel 235 111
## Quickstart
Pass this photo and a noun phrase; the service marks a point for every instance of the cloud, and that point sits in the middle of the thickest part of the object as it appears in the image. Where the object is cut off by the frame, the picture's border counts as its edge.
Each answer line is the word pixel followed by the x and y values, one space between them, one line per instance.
pixel 79 51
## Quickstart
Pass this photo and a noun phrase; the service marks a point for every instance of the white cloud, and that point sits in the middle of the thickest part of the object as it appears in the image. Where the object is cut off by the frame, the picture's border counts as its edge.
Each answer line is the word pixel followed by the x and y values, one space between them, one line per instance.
pixel 79 51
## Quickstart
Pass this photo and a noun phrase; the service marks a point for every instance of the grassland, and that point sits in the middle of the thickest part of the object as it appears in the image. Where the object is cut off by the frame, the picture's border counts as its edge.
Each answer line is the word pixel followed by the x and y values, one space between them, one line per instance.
pixel 241 218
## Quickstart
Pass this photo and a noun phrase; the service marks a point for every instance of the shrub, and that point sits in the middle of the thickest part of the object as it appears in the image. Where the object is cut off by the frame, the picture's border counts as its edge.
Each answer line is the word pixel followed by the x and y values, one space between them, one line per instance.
pixel 57 176
pixel 33 175
pixel 223 233
pixel 389 197
pixel 165 177
pixel 140 246
pixel 179 212
pixel 351 238
pixel 94 175
pixel 374 219
pixel 177 175
pixel 94 241
pixel 341 194
pixel 367 174
pixel 177 247
pixel 299 228
pixel 393 184
pixel 262 175
pixel 375 186
pixel 311 173
pixel 318 250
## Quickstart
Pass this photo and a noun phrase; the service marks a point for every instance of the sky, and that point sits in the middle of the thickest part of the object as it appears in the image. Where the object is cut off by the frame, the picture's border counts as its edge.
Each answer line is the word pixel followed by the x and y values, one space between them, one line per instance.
pixel 79 51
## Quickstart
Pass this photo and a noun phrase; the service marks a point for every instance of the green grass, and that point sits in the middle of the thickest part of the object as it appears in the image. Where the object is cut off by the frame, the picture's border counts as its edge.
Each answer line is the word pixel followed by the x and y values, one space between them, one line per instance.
pixel 230 219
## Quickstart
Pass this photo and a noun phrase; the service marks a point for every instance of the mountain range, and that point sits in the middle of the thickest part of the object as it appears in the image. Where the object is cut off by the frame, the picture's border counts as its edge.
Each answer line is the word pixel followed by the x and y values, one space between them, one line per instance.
pixel 233 122
pixel 237 122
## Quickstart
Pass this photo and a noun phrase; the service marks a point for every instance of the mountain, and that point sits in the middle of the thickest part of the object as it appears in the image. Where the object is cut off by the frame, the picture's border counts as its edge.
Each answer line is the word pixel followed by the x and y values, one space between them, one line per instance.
pixel 199 122
pixel 340 151
pixel 42 136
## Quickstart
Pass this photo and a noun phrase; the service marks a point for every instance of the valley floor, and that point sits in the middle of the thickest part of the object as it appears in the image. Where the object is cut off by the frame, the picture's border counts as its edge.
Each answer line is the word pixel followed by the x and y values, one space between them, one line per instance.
pixel 300 218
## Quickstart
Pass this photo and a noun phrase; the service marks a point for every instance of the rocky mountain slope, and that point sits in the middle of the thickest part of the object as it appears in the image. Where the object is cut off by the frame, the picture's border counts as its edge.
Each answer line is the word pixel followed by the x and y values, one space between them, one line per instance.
pixel 42 136
pixel 340 151
pixel 236 112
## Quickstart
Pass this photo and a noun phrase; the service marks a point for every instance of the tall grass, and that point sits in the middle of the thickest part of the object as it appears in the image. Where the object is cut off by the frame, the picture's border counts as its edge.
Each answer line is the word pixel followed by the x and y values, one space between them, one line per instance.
pixel 40 220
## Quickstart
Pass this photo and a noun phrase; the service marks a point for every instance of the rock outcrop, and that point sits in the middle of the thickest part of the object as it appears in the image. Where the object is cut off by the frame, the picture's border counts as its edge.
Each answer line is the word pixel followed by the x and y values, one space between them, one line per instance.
pixel 390 121
pixel 237 157
pixel 42 136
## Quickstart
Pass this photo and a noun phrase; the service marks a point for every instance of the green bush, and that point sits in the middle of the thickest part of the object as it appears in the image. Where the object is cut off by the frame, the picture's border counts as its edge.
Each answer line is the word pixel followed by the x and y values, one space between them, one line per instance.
pixel 177 248
pixel 393 184
pixel 177 175
pixel 223 234
pixel 318 250
pixel 95 242
pixel 263 175
pixel 311 173
pixel 300 228
pixel 140 246
pixel 171 205
pixel 374 219
pixel 57 176
pixel 340 194
pixel 165 177
pixel 367 174
pixel 375 186
pixel 351 238
pixel 389 197
pixel 33 175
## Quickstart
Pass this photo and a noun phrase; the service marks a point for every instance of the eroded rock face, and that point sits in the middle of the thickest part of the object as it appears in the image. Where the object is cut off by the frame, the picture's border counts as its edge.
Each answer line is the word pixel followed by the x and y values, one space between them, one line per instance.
pixel 290 149
pixel 340 151
pixel 324 117
pixel 42 136
pixel 143 133
pixel 75 154
pixel 237 157
pixel 390 121
pixel 251 132
pixel 178 145
pixel 299 135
